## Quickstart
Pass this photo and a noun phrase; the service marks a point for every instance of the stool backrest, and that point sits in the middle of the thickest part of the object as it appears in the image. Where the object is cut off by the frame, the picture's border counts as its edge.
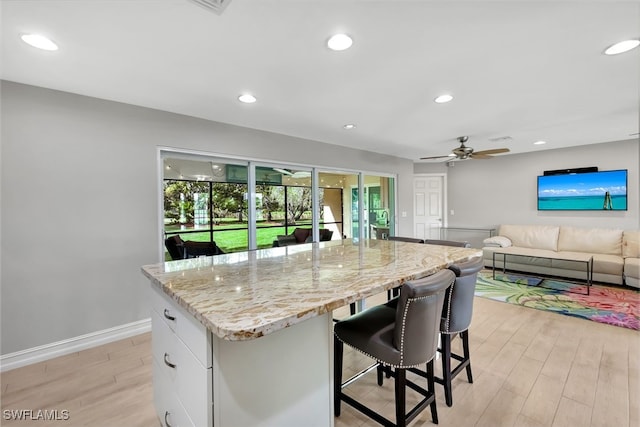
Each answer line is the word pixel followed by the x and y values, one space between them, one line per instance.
pixel 418 316
pixel 458 303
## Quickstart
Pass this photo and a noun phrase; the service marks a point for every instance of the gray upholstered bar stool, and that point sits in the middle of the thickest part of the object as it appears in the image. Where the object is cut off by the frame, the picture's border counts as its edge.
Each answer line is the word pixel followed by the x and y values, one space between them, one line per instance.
pixel 456 319
pixel 401 334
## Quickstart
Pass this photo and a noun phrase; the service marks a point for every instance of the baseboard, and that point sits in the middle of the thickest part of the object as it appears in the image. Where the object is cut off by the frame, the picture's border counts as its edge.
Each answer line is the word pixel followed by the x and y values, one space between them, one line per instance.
pixel 72 345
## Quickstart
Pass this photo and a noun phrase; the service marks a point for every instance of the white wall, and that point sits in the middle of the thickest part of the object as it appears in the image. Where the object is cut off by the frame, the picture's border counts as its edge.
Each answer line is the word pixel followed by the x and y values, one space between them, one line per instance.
pixel 79 204
pixel 503 190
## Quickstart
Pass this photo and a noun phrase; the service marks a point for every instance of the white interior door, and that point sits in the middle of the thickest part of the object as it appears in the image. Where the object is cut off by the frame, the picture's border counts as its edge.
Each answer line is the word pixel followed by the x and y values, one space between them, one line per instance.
pixel 428 205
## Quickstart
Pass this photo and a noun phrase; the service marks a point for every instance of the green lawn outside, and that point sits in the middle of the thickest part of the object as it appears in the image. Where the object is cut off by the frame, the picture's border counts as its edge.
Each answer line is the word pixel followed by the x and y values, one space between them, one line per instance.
pixel 230 238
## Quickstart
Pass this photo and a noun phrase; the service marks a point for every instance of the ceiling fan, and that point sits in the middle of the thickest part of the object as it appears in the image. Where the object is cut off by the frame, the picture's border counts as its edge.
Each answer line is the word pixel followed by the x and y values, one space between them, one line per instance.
pixel 463 152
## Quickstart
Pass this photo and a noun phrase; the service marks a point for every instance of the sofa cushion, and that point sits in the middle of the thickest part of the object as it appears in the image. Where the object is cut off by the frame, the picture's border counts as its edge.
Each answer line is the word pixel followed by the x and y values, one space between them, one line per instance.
pixel 631 244
pixel 590 240
pixel 603 264
pixel 532 236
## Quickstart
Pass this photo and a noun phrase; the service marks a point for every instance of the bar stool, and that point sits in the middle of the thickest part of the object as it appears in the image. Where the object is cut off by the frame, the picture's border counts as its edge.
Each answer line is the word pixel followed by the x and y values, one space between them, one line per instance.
pixel 456 319
pixel 401 334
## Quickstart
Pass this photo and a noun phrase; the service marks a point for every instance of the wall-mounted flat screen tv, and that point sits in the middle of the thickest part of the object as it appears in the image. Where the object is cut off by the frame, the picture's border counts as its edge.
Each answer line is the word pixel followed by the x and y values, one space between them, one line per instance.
pixel 604 190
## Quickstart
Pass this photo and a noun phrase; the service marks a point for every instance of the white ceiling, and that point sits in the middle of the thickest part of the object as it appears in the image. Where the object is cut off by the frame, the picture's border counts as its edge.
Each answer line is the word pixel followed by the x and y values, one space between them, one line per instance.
pixel 528 70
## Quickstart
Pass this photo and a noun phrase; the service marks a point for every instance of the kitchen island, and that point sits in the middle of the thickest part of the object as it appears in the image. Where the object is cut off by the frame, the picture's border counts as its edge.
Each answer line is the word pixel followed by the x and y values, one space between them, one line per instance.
pixel 246 338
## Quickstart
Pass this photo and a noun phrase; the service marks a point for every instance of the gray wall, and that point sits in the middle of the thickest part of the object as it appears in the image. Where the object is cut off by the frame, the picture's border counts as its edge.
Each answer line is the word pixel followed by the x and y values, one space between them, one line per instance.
pixel 79 204
pixel 486 193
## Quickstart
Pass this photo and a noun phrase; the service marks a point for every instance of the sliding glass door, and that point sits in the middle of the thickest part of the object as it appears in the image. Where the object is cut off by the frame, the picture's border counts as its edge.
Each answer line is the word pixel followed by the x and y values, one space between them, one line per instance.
pixel 242 205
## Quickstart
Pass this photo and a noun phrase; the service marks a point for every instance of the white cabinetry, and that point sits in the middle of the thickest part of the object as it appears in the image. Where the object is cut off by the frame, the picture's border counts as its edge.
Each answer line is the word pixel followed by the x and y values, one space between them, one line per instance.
pixel 182 373
pixel 283 379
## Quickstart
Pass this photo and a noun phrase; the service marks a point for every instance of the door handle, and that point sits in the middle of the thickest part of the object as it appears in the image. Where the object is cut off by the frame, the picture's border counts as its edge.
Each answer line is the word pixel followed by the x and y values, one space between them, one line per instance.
pixel 168 315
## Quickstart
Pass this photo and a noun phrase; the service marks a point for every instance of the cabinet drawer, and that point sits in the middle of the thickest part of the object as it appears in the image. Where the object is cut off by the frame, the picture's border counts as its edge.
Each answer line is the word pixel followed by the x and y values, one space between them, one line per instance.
pixel 187 328
pixel 187 377
pixel 170 411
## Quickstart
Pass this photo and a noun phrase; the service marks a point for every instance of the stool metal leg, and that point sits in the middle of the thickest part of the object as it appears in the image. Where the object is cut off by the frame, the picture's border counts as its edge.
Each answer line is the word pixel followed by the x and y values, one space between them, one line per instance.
pixel 446 367
pixel 380 370
pixel 401 397
pixel 465 348
pixel 338 350
pixel 431 385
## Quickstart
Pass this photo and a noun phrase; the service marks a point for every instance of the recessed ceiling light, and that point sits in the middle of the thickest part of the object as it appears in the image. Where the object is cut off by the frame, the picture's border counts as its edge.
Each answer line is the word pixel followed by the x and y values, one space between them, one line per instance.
pixel 349 126
pixel 247 98
pixel 339 42
pixel 621 47
pixel 539 142
pixel 38 41
pixel 443 98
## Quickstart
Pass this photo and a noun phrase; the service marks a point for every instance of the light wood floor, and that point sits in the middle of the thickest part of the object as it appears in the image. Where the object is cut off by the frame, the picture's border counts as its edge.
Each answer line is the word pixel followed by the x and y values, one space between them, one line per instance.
pixel 531 368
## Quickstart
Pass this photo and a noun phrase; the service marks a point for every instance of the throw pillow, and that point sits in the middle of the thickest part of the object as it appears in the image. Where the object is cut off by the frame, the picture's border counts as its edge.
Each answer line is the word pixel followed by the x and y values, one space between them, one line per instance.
pixel 497 242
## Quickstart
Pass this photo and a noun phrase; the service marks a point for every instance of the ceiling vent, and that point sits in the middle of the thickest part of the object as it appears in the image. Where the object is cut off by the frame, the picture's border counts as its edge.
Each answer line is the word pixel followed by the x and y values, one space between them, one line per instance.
pixel 216 6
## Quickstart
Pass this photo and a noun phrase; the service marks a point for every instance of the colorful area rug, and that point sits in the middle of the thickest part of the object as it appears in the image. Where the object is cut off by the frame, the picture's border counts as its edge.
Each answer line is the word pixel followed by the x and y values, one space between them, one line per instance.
pixel 617 306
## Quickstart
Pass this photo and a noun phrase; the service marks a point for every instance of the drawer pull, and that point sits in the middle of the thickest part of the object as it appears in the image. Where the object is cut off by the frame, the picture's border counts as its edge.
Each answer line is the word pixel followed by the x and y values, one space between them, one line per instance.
pixel 166 361
pixel 168 315
pixel 166 423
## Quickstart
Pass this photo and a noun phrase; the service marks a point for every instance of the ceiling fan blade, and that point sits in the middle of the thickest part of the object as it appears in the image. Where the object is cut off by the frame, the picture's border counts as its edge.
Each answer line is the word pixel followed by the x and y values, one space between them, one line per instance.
pixel 480 156
pixel 435 157
pixel 283 171
pixel 494 151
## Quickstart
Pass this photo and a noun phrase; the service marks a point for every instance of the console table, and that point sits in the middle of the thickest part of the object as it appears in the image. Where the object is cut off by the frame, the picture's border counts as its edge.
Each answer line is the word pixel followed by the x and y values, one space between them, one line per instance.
pixel 230 329
pixel 474 236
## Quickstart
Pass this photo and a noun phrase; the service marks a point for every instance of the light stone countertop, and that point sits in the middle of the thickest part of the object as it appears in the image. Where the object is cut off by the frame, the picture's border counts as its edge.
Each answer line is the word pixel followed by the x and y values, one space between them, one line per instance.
pixel 245 295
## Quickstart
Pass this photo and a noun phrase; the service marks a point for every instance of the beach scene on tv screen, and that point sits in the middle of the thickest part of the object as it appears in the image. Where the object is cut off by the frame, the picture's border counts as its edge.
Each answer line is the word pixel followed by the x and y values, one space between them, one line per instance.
pixel 584 191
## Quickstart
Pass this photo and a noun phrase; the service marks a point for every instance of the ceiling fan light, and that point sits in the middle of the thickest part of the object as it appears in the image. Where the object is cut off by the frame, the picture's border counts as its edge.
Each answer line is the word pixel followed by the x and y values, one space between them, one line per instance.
pixel 622 47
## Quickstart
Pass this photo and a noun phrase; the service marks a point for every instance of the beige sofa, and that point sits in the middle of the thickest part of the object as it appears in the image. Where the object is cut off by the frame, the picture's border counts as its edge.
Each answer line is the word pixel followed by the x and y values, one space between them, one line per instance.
pixel 545 249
